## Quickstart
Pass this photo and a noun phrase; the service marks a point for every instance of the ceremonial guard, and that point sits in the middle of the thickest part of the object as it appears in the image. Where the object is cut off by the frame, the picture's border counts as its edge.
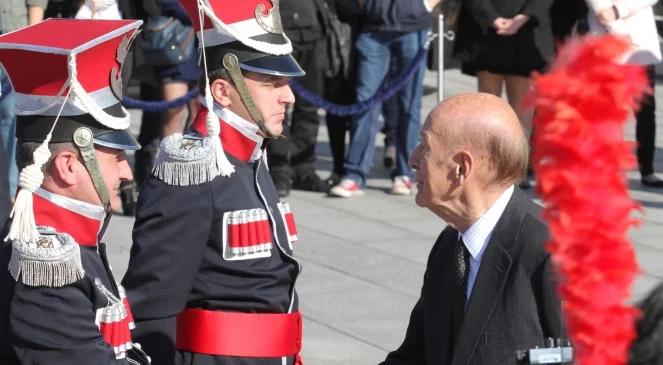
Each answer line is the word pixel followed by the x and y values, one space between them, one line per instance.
pixel 212 274
pixel 59 302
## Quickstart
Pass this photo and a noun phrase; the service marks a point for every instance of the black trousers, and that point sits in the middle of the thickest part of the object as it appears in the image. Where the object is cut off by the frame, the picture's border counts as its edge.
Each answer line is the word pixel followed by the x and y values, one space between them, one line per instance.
pixel 150 134
pixel 340 91
pixel 390 115
pixel 294 155
pixel 645 127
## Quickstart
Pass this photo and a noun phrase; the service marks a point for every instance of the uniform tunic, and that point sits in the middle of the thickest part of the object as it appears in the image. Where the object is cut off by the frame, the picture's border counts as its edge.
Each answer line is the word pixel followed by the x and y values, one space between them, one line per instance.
pixel 221 243
pixel 76 315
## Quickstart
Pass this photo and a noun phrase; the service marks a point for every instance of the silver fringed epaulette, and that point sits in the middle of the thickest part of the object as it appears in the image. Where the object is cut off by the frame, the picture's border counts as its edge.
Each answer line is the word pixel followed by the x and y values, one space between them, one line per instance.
pixel 185 160
pixel 53 261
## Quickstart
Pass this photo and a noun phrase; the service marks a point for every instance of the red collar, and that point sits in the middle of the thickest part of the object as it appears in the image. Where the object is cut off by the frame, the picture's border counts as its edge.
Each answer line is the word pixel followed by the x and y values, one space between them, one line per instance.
pixel 238 136
pixel 81 220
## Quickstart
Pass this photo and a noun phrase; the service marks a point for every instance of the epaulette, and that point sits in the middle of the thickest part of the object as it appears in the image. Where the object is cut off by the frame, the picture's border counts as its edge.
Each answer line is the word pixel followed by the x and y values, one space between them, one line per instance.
pixel 54 260
pixel 185 160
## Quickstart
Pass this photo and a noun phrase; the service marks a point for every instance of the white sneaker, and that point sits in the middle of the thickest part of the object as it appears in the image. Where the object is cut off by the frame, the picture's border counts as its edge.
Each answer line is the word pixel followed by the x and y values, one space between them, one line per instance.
pixel 345 189
pixel 402 185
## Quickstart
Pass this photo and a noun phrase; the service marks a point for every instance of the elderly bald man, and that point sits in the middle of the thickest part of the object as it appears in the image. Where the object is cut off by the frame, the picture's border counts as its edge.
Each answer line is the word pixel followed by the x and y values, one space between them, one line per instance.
pixel 488 290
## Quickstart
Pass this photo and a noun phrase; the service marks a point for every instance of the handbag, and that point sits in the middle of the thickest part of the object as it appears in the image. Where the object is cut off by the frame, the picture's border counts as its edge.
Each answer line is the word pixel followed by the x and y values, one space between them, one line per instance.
pixel 338 42
pixel 166 41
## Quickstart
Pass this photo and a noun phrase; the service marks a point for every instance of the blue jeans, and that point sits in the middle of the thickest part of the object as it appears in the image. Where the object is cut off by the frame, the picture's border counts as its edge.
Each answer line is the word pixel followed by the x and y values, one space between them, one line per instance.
pixel 8 130
pixel 375 50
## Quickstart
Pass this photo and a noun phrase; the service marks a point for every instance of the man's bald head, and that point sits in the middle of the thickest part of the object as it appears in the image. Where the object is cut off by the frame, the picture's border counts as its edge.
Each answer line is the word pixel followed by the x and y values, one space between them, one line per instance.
pixel 487 127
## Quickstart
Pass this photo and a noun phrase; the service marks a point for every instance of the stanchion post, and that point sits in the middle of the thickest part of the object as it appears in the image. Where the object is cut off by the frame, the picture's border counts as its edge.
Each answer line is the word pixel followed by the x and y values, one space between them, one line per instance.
pixel 440 58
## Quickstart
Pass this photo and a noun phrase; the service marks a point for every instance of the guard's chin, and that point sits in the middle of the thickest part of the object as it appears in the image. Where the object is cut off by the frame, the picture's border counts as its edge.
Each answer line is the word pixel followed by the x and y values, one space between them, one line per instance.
pixel 116 203
pixel 274 131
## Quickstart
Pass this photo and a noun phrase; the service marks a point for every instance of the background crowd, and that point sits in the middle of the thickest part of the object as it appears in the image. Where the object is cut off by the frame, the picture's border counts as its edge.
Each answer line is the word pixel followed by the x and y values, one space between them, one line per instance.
pixel 351 50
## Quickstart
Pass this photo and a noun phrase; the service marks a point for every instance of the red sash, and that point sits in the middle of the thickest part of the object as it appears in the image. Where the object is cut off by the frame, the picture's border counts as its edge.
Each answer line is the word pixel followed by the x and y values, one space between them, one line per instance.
pixel 239 334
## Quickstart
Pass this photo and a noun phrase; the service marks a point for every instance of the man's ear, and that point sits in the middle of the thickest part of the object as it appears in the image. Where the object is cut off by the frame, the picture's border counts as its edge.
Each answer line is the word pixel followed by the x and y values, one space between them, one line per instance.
pixel 64 168
pixel 221 90
pixel 464 165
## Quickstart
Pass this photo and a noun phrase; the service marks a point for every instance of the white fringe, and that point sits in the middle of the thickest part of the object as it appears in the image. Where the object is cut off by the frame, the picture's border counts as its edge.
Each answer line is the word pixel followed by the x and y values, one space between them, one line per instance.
pixel 223 166
pixel 185 173
pixel 51 267
pixel 23 227
pixel 185 161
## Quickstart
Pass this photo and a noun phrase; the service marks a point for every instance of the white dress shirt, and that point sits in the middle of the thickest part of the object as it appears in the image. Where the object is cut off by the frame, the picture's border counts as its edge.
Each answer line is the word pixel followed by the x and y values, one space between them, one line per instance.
pixel 476 237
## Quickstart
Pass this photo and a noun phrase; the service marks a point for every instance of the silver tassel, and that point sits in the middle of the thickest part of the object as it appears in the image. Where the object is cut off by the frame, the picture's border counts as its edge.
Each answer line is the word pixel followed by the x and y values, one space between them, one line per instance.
pixel 50 267
pixel 186 161
pixel 185 173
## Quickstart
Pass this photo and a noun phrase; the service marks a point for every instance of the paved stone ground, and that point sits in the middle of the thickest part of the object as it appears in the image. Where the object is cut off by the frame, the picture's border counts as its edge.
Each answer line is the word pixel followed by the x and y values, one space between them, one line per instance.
pixel 363 258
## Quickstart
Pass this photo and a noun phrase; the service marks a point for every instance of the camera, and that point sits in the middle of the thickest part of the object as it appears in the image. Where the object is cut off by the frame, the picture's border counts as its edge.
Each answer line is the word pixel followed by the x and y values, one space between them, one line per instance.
pixel 557 351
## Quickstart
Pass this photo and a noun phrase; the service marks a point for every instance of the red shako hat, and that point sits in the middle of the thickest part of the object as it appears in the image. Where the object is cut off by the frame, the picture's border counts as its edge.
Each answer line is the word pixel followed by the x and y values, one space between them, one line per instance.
pixel 67 77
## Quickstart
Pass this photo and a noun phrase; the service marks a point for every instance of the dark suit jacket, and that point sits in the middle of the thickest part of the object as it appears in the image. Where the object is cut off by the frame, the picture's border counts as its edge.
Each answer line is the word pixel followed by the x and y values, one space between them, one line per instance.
pixel 513 305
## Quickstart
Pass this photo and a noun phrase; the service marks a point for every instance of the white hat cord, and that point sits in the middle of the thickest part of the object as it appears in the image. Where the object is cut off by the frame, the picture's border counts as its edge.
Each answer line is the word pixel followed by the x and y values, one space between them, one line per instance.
pixel 46 107
pixel 24 228
pixel 90 106
pixel 212 120
pixel 261 46
pixel 117 123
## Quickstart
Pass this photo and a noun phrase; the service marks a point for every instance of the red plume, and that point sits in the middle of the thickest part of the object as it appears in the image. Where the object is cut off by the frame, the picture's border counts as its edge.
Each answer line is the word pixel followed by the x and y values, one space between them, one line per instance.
pixel 580 159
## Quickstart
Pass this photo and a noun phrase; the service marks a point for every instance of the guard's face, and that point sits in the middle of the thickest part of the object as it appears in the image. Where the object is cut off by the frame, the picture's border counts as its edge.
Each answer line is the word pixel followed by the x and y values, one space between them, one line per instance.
pixel 114 169
pixel 433 170
pixel 272 95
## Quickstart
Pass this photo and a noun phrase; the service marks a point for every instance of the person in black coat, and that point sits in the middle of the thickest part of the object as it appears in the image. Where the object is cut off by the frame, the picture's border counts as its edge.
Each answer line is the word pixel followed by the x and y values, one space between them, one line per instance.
pixel 291 158
pixel 647 349
pixel 488 289
pixel 502 43
pixel 341 81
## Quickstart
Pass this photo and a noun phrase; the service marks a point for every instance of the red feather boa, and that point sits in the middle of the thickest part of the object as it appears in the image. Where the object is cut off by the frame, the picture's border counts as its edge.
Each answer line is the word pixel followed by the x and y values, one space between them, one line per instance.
pixel 580 159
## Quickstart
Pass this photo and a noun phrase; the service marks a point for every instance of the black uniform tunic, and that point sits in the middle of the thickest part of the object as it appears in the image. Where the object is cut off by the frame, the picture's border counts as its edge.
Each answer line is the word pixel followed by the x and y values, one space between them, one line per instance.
pixel 181 255
pixel 64 319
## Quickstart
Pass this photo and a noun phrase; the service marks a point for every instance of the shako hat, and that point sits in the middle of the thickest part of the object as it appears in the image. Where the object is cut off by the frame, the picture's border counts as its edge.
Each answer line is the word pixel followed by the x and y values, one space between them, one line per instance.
pixel 72 69
pixel 239 35
pixel 250 29
pixel 67 77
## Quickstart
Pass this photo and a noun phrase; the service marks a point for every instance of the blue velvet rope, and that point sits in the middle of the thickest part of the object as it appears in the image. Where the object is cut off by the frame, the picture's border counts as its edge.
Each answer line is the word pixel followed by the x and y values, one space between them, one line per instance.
pixel 159 106
pixel 386 91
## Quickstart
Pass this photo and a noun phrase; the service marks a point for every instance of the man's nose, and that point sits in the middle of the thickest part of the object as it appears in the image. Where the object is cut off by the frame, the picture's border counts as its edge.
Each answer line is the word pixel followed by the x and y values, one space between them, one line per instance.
pixel 125 171
pixel 287 95
pixel 413 158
